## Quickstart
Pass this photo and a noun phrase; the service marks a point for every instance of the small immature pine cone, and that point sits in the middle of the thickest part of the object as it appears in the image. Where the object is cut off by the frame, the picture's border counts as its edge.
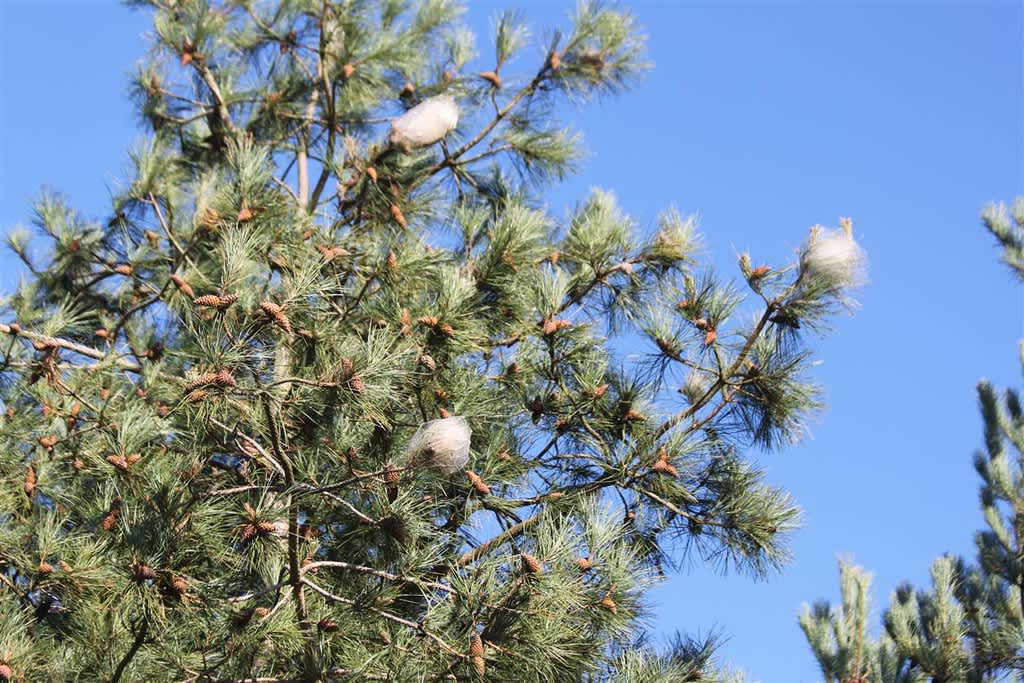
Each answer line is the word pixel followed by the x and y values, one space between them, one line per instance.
pixel 261 612
pixel 266 527
pixel 371 173
pixel 633 415
pixel 478 484
pixel 152 237
pixel 428 362
pixel 443 413
pixel 600 391
pixel 710 336
pixel 109 520
pixel 552 326
pixel 531 564
pixel 555 61
pixel 123 269
pixel 248 531
pixel 210 218
pixel 491 77
pixel 584 564
pixel 245 214
pixel 118 462
pixel 182 286
pixel 356 384
pixel 327 625
pixel 132 459
pixel 30 482
pixel 143 572
pixel 399 217
pixel 760 272
pixel 179 585
pixel 64 566
pixel 276 313
pixel 347 71
pixel 392 476
pixel 48 442
pixel 609 604
pixel 663 465
pixel 45 567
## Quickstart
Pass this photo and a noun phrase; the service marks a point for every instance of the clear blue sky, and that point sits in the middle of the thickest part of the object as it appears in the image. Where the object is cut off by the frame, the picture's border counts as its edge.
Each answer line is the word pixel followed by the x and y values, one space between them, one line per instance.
pixel 763 117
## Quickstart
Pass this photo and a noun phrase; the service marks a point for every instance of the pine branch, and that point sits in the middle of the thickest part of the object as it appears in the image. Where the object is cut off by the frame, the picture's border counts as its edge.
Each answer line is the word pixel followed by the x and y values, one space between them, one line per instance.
pixel 57 342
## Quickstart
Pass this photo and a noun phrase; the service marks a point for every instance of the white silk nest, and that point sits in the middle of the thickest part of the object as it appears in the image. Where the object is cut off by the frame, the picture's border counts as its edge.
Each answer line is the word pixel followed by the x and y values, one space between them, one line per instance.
pixel 835 256
pixel 441 445
pixel 426 123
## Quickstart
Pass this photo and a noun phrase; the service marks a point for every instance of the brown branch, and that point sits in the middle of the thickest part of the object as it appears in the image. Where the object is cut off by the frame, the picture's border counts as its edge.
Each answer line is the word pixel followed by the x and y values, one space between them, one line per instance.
pixel 140 638
pixel 377 572
pixel 80 349
pixel 419 628
pixel 476 553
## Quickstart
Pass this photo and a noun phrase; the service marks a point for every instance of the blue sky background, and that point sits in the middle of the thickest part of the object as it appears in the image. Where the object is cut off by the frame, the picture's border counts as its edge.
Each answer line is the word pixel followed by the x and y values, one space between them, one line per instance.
pixel 764 118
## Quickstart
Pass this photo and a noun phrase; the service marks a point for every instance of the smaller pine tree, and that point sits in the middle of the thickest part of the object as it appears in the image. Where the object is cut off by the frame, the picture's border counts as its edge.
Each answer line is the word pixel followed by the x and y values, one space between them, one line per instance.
pixel 969 626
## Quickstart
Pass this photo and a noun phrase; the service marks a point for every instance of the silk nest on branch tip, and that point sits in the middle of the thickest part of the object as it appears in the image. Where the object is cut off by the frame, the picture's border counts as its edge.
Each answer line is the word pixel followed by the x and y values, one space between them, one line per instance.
pixel 426 123
pixel 440 445
pixel 834 256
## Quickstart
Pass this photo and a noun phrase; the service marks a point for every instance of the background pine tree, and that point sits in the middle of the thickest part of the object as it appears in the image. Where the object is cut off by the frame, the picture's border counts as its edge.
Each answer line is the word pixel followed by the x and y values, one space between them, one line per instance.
pixel 969 626
pixel 210 396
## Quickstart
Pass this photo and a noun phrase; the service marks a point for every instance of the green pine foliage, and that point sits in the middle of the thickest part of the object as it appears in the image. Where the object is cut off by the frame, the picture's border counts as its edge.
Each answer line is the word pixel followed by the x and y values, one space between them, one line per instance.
pixel 969 626
pixel 209 392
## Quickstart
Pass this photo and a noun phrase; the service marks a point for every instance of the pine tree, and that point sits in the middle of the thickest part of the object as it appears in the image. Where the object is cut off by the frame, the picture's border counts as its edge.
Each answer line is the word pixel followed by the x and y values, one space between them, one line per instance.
pixel 330 396
pixel 970 625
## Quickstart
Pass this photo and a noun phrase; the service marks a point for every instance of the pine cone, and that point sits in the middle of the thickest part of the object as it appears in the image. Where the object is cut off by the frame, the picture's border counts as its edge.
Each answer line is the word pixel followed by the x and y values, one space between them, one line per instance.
pixel 201 381
pixel 276 313
pixel 555 61
pixel 64 566
pixel 371 173
pixel 609 604
pixel 492 77
pixel 6 673
pixel 399 217
pixel 531 564
pixel 182 286
pixel 428 362
pixel 225 379
pixel 584 564
pixel 179 585
pixel 327 625
pixel 220 302
pixel 760 272
pixel 109 520
pixel 552 326
pixel 477 483
pixel 245 214
pixel 45 567
pixel 356 384
pixel 347 71
pixel 118 462
pixel 266 527
pixel 143 572
pixel 30 482
pixel 600 391
pixel 210 218
pixel 123 269
pixel 48 442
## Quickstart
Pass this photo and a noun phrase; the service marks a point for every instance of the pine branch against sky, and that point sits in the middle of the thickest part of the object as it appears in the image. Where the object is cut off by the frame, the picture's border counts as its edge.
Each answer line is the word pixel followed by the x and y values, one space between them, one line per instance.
pixel 909 203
